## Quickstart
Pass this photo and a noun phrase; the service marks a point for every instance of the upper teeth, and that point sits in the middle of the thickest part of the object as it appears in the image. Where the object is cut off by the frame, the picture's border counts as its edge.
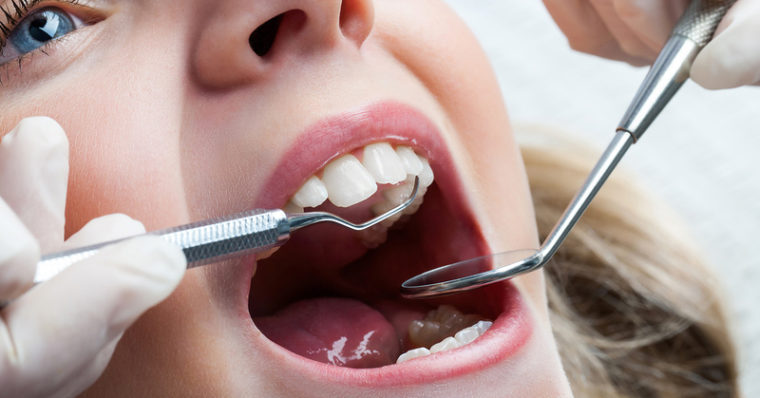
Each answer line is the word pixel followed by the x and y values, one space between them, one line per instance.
pixel 383 163
pixel 313 193
pixel 347 181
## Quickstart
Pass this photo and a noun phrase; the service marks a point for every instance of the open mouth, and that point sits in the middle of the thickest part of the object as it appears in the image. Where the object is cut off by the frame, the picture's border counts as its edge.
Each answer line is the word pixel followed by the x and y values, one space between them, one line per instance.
pixel 331 295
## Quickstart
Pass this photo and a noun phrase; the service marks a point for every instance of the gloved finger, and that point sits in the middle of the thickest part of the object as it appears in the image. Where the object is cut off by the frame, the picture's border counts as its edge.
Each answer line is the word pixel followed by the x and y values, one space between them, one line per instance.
pixel 101 229
pixel 586 31
pixel 732 58
pixel 104 229
pixel 34 170
pixel 59 329
pixel 19 253
pixel 651 20
pixel 625 35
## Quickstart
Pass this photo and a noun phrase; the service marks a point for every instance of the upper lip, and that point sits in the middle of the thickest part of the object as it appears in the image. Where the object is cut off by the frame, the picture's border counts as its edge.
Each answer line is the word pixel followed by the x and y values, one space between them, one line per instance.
pixel 400 124
pixel 387 121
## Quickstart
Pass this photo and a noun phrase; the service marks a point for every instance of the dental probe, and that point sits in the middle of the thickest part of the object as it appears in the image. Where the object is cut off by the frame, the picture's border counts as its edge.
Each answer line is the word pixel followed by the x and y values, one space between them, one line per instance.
pixel 670 70
pixel 208 241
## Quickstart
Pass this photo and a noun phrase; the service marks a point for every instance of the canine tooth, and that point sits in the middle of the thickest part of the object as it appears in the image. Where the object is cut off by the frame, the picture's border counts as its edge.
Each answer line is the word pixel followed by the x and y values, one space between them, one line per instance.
pixel 400 193
pixel 383 163
pixel 409 159
pixel 411 354
pixel 449 343
pixel 312 193
pixel 347 181
pixel 426 175
pixel 483 326
pixel 291 208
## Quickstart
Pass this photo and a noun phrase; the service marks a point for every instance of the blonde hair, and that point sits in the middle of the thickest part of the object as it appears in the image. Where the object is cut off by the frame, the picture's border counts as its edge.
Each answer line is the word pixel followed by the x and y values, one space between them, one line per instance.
pixel 634 309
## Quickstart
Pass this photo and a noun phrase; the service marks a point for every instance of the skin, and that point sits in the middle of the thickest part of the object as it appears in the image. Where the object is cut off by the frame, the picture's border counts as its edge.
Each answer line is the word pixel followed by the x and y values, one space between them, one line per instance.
pixel 192 105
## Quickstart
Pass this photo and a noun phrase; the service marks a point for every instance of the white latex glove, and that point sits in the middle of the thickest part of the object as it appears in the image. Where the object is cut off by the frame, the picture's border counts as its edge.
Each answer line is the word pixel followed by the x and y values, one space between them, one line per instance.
pixel 56 339
pixel 635 30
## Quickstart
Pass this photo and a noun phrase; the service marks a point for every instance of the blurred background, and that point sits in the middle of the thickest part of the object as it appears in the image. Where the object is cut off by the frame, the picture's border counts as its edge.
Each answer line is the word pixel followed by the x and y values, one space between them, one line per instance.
pixel 702 155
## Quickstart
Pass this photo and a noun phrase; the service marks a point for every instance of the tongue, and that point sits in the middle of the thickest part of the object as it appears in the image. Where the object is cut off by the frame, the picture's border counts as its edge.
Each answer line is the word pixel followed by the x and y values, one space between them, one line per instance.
pixel 337 331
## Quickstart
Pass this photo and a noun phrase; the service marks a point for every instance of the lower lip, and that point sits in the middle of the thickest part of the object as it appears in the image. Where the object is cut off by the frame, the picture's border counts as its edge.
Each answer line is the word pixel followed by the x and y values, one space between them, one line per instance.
pixel 510 332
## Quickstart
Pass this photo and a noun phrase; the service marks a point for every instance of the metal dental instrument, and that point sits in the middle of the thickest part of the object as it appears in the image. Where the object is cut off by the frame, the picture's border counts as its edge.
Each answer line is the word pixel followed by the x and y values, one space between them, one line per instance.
pixel 670 70
pixel 212 240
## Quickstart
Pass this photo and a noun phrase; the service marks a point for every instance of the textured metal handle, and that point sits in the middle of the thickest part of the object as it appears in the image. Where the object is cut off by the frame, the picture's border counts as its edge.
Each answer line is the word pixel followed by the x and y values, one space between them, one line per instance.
pixel 701 19
pixel 673 65
pixel 202 242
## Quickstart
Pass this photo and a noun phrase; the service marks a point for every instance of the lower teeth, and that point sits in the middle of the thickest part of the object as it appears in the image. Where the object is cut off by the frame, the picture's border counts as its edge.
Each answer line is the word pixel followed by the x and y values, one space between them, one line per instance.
pixel 439 324
pixel 443 329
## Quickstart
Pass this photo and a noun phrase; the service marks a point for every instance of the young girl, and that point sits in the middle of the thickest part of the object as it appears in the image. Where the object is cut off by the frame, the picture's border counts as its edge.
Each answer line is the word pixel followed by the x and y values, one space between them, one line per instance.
pixel 179 111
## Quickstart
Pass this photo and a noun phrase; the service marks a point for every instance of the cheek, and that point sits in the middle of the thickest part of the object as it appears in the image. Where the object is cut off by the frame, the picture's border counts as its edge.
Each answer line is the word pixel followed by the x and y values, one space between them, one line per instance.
pixel 468 91
pixel 124 148
pixel 125 158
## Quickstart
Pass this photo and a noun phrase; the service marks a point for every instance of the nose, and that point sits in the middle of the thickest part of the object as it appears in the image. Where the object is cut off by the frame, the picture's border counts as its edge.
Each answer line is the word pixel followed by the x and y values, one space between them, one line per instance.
pixel 243 40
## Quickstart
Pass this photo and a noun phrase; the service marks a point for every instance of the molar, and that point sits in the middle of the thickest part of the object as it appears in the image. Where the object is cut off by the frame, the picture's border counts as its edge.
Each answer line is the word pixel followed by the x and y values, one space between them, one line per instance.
pixel 438 324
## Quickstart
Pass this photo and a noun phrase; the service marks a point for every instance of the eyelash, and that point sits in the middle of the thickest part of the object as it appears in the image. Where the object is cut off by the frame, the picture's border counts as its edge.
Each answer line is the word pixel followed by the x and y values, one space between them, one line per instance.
pixel 14 13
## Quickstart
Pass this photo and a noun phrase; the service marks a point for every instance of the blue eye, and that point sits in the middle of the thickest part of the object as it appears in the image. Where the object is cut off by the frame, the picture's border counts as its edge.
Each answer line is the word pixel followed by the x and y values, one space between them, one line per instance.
pixel 39 28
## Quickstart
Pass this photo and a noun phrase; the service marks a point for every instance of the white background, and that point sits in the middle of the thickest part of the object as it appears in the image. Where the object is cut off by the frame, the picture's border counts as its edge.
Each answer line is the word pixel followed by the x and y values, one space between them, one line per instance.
pixel 701 155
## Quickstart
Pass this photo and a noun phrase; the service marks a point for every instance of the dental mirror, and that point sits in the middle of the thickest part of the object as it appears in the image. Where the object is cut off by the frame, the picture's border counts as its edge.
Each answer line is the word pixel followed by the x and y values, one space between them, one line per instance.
pixel 670 70
pixel 470 274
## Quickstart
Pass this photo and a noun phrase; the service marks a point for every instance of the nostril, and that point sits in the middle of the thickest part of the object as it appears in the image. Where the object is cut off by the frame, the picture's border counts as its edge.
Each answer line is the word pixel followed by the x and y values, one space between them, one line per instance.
pixel 356 20
pixel 262 39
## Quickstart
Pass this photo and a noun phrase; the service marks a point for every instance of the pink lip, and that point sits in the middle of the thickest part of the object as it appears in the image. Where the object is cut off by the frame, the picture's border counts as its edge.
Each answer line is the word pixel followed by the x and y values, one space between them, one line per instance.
pixel 396 123
pixel 330 138
pixel 510 331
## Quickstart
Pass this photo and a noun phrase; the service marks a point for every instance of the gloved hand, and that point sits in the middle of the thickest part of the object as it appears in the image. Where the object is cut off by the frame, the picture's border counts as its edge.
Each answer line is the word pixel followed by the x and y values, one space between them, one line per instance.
pixel 636 30
pixel 56 339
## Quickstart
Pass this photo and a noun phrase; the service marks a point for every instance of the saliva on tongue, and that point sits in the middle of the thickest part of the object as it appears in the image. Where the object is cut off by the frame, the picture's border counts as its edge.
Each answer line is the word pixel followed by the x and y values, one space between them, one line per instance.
pixel 338 331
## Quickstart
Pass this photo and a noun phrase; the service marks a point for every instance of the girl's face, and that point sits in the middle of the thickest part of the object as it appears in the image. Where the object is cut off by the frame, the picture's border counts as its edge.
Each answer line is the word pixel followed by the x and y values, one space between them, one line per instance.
pixel 178 111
